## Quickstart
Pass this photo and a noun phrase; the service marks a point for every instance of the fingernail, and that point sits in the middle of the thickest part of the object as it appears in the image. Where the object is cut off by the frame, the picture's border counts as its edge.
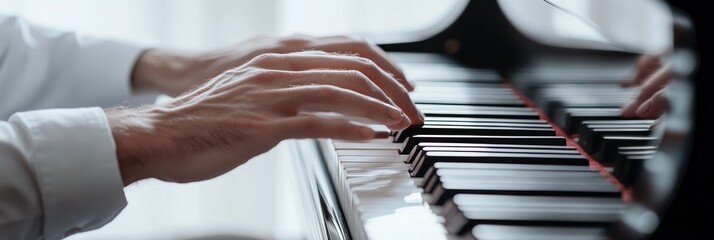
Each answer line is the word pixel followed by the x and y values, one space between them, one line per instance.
pixel 411 86
pixel 406 120
pixel 395 113
pixel 644 109
pixel 367 133
pixel 422 117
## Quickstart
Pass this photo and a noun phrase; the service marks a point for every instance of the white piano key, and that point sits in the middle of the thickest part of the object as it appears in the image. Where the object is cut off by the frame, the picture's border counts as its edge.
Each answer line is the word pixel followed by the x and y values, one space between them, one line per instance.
pixel 380 152
pixel 374 159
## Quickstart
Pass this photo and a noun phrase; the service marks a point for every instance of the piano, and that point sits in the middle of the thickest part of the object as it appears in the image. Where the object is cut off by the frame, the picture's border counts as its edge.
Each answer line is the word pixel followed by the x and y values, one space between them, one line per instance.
pixel 523 139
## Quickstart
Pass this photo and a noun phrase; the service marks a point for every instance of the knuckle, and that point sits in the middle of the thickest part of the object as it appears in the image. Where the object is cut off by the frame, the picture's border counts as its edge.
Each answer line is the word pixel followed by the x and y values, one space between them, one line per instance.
pixel 325 92
pixel 266 59
pixel 355 74
pixel 367 64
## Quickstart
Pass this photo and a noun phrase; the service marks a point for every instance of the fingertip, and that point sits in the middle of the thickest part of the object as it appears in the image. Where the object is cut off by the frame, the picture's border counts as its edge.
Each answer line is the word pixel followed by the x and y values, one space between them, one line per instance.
pixel 645 109
pixel 409 85
pixel 404 123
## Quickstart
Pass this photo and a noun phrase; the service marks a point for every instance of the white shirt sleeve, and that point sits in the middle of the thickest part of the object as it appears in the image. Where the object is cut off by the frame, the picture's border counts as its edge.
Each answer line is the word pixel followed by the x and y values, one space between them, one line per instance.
pixel 42 68
pixel 58 168
pixel 58 174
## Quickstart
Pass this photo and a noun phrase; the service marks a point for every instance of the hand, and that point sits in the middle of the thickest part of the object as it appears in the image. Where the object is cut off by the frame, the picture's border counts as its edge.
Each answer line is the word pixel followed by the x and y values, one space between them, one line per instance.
pixel 247 110
pixel 651 101
pixel 173 73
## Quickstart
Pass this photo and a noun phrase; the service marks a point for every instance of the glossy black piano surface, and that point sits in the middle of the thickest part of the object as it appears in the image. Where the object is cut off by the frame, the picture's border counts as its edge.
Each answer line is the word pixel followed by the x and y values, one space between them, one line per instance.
pixel 521 141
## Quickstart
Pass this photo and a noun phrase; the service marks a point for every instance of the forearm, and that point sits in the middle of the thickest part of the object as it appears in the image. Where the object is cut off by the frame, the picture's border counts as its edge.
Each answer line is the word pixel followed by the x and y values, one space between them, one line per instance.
pixel 173 72
pixel 43 68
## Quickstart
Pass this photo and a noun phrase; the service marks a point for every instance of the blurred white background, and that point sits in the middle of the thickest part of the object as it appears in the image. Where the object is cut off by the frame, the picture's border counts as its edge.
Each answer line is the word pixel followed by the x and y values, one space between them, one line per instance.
pixel 257 199
pixel 202 24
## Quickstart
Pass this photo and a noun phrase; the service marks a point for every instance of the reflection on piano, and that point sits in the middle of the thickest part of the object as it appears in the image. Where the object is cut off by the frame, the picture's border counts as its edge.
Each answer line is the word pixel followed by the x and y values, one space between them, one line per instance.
pixel 520 141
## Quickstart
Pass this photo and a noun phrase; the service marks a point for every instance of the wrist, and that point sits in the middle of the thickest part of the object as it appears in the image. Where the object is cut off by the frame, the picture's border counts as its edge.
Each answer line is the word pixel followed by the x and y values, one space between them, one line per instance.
pixel 137 142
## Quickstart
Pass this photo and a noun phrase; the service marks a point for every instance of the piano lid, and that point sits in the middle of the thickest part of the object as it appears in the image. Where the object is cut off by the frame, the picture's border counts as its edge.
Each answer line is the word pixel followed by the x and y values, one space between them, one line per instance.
pixel 638 26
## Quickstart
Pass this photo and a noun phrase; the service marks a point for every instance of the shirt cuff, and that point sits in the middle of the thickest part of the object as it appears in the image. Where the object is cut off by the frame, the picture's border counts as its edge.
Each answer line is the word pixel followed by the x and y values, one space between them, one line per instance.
pixel 74 159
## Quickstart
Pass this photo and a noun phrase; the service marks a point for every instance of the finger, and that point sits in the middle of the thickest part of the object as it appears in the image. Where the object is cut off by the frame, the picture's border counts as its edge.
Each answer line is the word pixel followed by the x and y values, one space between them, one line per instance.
pixel 327 98
pixel 364 49
pixel 653 107
pixel 310 126
pixel 646 66
pixel 374 75
pixel 654 83
pixel 348 79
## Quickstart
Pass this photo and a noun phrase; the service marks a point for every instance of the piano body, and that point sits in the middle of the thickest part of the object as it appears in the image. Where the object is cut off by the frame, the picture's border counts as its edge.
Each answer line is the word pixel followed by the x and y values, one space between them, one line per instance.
pixel 522 140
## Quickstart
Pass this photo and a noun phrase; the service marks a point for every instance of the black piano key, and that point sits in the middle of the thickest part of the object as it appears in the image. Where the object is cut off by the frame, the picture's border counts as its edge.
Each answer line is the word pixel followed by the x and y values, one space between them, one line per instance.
pixel 469 101
pixel 412 141
pixel 591 139
pixel 628 165
pixel 418 151
pixel 445 188
pixel 483 114
pixel 471 130
pixel 491 145
pixel 507 174
pixel 608 150
pixel 498 166
pixel 421 165
pixel 570 119
pixel 550 108
pixel 647 122
pixel 586 128
pixel 502 232
pixel 432 110
pixel 489 120
pixel 487 124
pixel 467 211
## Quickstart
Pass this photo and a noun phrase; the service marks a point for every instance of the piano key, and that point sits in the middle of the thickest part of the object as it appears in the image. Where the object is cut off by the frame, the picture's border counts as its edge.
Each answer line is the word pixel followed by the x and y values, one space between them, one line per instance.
pixel 481 113
pixel 627 166
pixel 419 151
pixel 466 101
pixel 471 130
pixel 429 181
pixel 490 120
pixel 498 166
pixel 503 232
pixel 571 118
pixel 366 146
pixel 362 152
pixel 607 151
pixel 412 141
pixel 591 139
pixel 487 124
pixel 446 188
pixel 648 122
pixel 468 211
pixel 362 158
pixel 419 167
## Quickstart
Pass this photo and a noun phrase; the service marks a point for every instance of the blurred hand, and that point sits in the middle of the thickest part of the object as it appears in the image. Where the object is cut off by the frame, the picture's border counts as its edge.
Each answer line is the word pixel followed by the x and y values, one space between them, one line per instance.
pixel 653 77
pixel 247 110
pixel 173 72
